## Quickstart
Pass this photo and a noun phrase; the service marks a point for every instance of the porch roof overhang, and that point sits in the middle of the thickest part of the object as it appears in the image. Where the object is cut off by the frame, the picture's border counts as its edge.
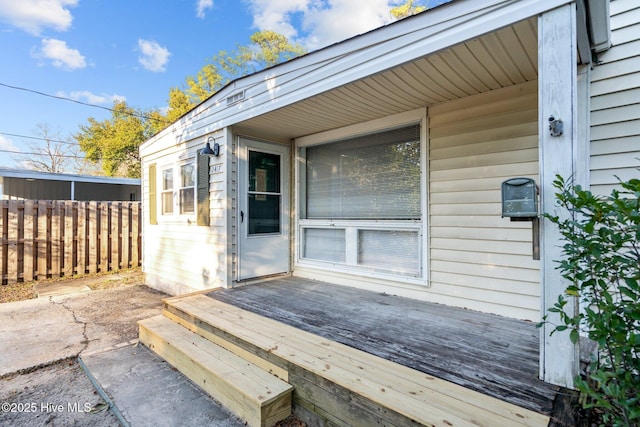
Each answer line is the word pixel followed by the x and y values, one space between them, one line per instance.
pixel 456 50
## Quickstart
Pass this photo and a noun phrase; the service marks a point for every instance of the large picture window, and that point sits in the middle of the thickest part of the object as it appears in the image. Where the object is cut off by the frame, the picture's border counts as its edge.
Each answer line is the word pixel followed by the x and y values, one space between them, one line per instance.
pixel 362 203
pixel 373 176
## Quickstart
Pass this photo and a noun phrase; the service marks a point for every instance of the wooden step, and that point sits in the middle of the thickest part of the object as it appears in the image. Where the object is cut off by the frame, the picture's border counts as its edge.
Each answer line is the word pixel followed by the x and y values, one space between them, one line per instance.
pixel 345 385
pixel 257 397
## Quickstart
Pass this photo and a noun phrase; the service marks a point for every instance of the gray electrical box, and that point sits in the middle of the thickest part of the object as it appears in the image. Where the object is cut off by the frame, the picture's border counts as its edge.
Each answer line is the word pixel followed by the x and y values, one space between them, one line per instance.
pixel 519 198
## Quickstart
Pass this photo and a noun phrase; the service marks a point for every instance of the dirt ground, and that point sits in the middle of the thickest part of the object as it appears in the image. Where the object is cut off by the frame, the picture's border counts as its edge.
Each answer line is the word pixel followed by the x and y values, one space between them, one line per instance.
pixel 60 393
pixel 55 395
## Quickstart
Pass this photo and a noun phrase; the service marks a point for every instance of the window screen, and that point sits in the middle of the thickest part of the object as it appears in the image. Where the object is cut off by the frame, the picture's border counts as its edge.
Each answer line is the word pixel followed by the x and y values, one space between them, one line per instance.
pixel 324 244
pixel 394 250
pixel 376 176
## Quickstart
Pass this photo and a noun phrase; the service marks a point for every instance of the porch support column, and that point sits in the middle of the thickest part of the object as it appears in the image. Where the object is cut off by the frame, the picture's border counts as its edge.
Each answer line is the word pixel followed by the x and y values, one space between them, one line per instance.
pixel 557 90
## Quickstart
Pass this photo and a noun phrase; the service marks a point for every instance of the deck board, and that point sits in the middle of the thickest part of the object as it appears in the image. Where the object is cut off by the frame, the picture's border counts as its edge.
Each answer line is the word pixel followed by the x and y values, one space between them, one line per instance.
pixel 334 368
pixel 494 355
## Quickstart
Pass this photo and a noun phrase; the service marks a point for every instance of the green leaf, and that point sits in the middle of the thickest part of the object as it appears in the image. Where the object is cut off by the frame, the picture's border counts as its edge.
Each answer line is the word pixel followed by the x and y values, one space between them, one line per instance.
pixel 574 336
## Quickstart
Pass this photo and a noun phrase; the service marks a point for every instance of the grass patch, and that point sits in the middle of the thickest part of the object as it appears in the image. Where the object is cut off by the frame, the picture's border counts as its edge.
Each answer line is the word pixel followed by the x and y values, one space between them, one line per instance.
pixel 17 292
pixel 97 281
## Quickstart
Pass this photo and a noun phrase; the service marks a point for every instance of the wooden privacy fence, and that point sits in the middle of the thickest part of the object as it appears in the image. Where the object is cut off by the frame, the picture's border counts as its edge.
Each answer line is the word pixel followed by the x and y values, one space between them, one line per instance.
pixel 56 238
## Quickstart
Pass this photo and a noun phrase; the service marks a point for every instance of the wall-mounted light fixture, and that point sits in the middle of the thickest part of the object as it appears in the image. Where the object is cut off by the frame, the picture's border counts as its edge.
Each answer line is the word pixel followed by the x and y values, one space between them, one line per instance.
pixel 211 151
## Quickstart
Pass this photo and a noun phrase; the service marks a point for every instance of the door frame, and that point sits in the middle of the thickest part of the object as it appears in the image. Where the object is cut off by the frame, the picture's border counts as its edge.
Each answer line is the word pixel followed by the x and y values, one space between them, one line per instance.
pixel 246 144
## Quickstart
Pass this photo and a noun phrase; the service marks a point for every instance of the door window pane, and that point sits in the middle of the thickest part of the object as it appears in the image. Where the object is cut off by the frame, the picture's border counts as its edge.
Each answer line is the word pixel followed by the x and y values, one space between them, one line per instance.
pixel 264 172
pixel 264 214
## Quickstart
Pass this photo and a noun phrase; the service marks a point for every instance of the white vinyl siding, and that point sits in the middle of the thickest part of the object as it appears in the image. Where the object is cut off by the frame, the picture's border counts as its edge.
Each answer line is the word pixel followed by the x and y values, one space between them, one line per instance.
pixel 479 260
pixel 179 256
pixel 615 102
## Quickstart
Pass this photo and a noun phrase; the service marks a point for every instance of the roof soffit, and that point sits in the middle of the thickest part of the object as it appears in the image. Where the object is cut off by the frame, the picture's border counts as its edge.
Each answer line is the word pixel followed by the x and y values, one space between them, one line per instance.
pixel 369 60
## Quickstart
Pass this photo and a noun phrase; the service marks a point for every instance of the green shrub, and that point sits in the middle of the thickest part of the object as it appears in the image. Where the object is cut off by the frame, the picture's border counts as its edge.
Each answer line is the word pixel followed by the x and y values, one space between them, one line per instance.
pixel 601 259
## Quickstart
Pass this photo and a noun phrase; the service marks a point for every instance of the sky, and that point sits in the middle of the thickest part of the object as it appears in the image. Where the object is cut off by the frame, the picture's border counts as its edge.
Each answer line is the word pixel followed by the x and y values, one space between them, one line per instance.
pixel 99 51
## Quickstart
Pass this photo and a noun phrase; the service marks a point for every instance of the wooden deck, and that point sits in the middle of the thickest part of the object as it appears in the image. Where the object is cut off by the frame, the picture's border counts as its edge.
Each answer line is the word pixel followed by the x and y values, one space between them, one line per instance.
pixel 490 354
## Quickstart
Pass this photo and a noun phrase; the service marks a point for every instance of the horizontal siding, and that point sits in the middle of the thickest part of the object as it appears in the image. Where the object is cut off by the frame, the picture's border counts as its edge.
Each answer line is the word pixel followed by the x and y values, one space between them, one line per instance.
pixel 479 260
pixel 180 256
pixel 615 102
pixel 183 259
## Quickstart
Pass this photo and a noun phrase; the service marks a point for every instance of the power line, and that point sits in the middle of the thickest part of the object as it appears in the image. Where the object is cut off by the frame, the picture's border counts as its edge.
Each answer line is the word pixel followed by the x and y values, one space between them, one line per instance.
pixel 22 153
pixel 70 156
pixel 140 116
pixel 40 139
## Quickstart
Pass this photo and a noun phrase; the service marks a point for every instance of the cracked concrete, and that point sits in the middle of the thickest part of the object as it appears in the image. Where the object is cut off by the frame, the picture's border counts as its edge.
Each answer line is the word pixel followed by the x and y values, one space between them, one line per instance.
pixel 39 332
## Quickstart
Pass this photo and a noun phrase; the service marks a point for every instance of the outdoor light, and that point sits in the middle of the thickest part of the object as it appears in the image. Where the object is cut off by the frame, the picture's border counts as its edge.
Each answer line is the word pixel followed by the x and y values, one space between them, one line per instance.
pixel 208 151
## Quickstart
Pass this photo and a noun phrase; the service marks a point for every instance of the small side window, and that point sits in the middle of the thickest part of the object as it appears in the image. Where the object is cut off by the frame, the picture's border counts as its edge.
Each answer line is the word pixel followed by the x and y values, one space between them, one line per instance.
pixel 167 191
pixel 187 188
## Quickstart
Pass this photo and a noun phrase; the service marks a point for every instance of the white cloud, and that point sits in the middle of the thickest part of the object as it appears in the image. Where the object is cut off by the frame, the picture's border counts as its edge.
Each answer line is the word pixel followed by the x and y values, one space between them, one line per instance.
pixel 153 57
pixel 344 19
pixel 202 6
pixel 90 97
pixel 7 153
pixel 33 16
pixel 7 144
pixel 322 21
pixel 278 15
pixel 61 55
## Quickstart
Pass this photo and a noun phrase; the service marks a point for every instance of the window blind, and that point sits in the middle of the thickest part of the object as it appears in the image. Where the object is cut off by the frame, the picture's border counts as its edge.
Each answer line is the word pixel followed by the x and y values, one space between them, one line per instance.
pixel 375 176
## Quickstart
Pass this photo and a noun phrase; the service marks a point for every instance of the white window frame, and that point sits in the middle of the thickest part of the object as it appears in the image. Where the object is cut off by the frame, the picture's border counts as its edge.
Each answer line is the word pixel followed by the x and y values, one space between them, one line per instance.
pixel 164 192
pixel 177 216
pixel 352 227
pixel 182 187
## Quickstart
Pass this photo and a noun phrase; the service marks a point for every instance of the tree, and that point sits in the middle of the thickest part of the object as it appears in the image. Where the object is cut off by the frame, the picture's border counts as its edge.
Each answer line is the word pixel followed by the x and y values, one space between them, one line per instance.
pixel 115 141
pixel 406 9
pixel 179 104
pixel 51 154
pixel 266 49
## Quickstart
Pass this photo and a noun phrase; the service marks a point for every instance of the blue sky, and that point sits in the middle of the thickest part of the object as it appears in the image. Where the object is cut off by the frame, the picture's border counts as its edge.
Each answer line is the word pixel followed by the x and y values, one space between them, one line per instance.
pixel 97 51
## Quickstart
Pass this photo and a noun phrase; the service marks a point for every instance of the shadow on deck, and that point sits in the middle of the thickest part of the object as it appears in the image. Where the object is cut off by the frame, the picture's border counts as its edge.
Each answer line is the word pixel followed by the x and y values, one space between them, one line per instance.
pixel 494 355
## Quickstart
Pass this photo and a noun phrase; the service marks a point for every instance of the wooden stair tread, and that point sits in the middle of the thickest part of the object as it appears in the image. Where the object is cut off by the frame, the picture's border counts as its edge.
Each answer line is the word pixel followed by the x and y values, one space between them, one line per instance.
pixel 254 395
pixel 416 395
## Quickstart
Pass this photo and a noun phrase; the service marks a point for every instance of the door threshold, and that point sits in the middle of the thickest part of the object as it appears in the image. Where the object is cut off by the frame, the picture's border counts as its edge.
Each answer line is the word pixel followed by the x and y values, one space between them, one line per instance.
pixel 260 279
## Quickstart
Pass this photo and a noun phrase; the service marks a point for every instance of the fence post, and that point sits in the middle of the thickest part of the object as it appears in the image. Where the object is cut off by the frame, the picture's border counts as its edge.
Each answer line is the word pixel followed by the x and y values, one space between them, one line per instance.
pixel 114 234
pixel 12 242
pixel 136 235
pixel 68 233
pixel 125 233
pixel 93 236
pixel 104 237
pixel 42 239
pixel 4 215
pixel 56 250
pixel 29 248
pixel 81 239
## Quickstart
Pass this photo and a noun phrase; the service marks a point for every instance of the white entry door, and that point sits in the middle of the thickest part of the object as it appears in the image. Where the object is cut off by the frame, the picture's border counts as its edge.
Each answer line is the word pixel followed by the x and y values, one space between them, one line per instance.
pixel 263 209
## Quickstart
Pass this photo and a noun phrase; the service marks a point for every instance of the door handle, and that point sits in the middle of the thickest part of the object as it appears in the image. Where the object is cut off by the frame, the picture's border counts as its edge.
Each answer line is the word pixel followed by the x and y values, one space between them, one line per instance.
pixel 241 216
